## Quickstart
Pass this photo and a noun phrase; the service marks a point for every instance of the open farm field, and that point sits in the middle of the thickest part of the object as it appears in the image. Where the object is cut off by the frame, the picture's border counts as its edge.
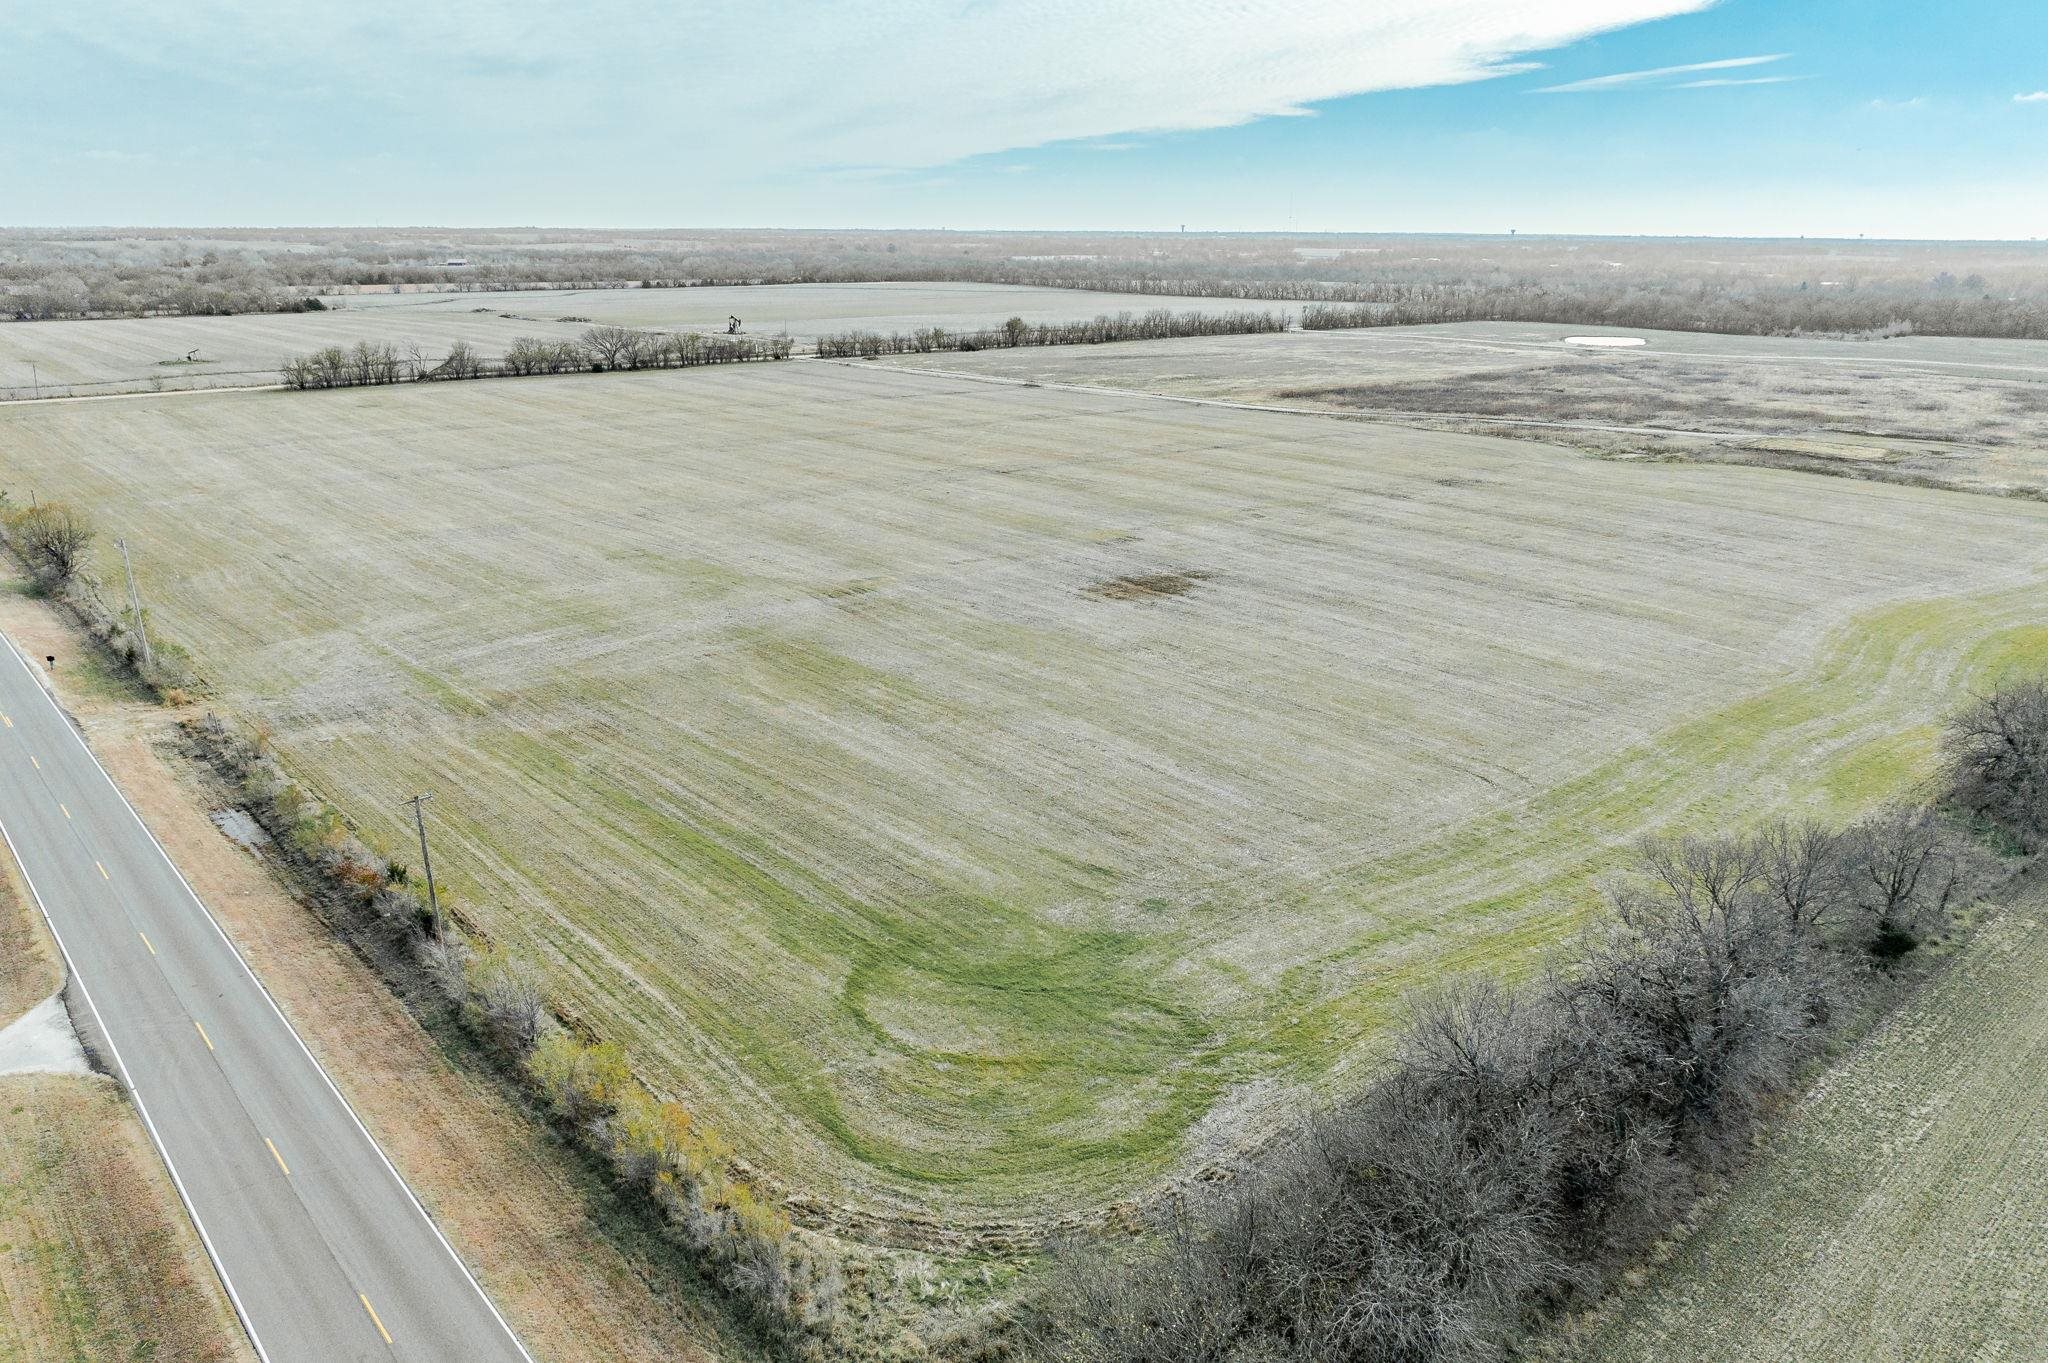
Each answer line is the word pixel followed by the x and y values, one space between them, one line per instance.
pixel 1940 410
pixel 1902 1213
pixel 980 799
pixel 807 311
pixel 144 353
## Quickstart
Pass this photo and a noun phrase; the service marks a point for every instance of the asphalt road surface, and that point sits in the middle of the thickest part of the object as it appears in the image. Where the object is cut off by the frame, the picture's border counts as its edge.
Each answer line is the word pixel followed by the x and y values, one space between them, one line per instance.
pixel 325 1252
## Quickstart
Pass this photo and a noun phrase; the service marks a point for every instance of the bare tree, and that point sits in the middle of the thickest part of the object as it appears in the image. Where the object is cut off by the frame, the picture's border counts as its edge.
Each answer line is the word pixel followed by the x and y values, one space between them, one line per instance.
pixel 1996 751
pixel 1804 867
pixel 53 538
pixel 1907 870
pixel 611 346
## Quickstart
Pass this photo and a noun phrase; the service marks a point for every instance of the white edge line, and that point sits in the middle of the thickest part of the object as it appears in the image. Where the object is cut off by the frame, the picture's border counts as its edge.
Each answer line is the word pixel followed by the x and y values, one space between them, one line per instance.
pixel 135 1095
pixel 399 1178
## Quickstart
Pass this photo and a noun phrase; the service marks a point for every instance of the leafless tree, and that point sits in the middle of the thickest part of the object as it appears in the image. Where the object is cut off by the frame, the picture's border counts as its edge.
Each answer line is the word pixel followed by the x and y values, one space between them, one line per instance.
pixel 1907 870
pixel 611 346
pixel 54 538
pixel 1996 754
pixel 1804 866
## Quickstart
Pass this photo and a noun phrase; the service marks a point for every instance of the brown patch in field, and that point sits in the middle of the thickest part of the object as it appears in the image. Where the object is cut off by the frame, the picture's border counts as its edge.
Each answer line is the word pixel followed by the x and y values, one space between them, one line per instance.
pixel 1146 586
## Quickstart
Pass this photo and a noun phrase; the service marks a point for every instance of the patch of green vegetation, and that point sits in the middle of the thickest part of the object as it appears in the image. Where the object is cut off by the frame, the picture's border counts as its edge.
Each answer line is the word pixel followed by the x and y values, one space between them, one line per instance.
pixel 439 689
pixel 1825 743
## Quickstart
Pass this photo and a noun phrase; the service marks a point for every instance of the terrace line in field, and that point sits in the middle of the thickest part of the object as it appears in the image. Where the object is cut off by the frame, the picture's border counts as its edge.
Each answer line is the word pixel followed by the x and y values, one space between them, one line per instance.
pixel 788 716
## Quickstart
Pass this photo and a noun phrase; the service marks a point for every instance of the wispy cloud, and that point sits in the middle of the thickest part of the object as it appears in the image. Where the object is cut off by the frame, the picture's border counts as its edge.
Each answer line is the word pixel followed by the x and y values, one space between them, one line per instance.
pixel 2032 97
pixel 788 86
pixel 1916 102
pixel 1713 81
pixel 1661 76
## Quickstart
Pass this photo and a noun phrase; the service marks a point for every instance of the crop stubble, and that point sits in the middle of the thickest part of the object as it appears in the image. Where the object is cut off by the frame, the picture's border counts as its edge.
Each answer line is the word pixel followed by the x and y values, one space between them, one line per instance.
pixel 783 715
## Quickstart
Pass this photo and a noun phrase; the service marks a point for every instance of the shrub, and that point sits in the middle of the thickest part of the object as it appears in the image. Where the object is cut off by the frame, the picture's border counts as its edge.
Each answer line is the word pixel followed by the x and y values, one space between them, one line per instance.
pixel 582 1083
pixel 502 1000
pixel 53 539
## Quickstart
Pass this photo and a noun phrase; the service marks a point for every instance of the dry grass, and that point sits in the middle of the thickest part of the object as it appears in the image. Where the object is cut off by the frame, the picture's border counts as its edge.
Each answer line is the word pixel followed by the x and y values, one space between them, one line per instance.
pixel 142 354
pixel 773 714
pixel 1902 1214
pixel 29 970
pixel 97 1260
pixel 1964 413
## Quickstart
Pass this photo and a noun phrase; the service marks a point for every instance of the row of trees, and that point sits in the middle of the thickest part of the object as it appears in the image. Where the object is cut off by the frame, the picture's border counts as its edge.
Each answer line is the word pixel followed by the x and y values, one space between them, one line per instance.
pixel 1525 1145
pixel 1152 325
pixel 598 349
pixel 1771 287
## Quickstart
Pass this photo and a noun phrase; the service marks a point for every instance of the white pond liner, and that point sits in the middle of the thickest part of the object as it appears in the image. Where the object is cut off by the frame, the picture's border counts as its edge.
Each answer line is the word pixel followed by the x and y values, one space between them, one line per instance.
pixel 41 1041
pixel 1605 342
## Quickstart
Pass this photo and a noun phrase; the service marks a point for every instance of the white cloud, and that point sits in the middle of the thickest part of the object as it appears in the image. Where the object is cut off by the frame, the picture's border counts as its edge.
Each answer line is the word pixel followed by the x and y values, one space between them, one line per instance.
pixel 2032 97
pixel 1657 75
pixel 771 86
pixel 1887 105
pixel 1713 81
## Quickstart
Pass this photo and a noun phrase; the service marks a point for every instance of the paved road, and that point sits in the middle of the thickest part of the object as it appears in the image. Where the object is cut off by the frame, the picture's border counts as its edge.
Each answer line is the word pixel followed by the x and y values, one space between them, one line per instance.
pixel 324 1250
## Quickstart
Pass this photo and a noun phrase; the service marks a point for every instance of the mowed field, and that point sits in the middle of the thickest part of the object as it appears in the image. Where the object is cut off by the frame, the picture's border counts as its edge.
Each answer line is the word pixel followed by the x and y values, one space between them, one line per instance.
pixel 982 799
pixel 1902 1213
pixel 1938 410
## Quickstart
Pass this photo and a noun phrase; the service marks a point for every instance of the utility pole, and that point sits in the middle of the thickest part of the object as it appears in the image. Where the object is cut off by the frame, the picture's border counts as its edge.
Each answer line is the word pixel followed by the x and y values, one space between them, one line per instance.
pixel 35 377
pixel 419 821
pixel 135 603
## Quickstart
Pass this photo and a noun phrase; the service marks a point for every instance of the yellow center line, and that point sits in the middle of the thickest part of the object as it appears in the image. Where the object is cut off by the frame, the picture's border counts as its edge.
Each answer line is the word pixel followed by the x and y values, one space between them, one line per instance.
pixel 103 872
pixel 66 808
pixel 373 1317
pixel 279 1158
pixel 202 1034
pixel 152 950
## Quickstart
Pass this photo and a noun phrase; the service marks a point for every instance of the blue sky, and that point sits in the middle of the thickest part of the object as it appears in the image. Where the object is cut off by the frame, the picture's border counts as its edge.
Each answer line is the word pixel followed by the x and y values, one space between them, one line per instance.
pixel 1815 117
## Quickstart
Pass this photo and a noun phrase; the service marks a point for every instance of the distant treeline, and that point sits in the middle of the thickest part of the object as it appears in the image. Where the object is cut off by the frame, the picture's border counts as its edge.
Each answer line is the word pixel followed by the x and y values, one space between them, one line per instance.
pixel 1123 326
pixel 1525 1146
pixel 1854 288
pixel 598 349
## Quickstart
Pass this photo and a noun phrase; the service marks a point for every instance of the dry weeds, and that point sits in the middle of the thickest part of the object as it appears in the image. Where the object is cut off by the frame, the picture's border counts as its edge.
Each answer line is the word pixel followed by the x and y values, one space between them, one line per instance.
pixel 1964 413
